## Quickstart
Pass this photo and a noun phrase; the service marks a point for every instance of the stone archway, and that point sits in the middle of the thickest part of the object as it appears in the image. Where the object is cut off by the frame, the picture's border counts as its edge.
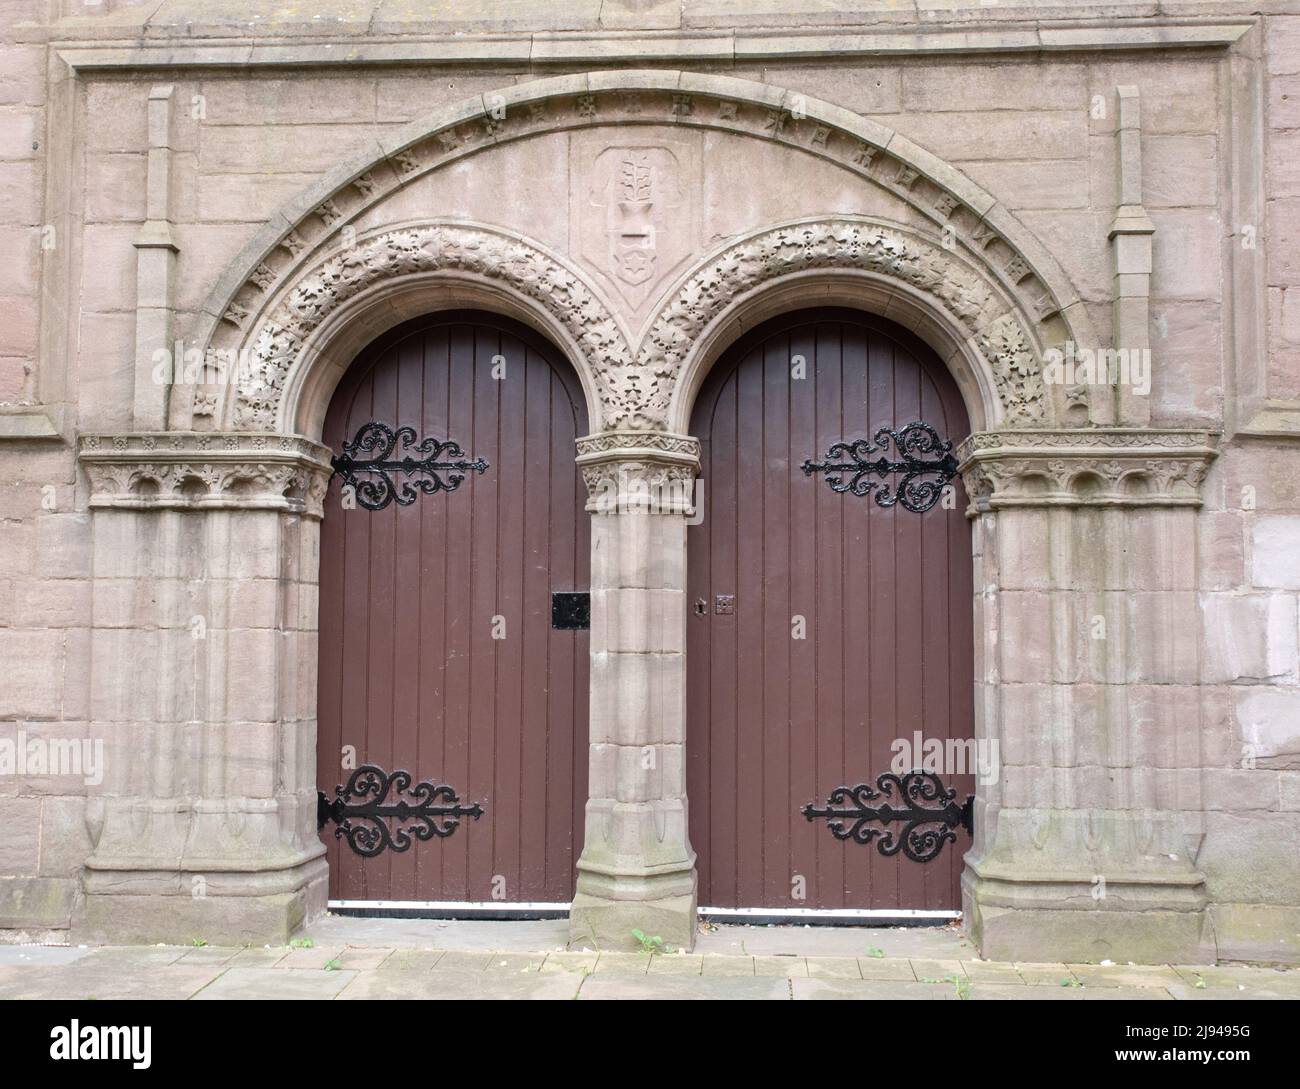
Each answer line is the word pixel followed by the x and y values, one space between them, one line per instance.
pixel 287 272
pixel 233 488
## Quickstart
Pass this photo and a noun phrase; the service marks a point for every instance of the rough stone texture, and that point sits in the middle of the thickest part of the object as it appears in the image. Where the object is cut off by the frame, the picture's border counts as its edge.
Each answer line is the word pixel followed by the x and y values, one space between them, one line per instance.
pixel 1161 756
pixel 477 960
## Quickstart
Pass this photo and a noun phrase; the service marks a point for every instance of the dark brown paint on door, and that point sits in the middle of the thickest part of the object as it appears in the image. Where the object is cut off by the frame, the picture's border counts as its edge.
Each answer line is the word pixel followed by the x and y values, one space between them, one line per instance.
pixel 774 721
pixel 410 674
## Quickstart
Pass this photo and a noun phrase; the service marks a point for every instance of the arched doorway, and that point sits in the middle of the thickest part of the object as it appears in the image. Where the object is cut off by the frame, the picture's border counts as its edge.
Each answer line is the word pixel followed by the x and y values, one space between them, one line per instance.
pixel 825 627
pixel 438 654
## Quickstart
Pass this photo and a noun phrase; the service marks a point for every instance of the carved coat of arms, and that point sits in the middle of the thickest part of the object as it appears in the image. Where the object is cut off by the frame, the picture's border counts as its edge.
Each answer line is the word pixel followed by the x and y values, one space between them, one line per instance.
pixel 643 227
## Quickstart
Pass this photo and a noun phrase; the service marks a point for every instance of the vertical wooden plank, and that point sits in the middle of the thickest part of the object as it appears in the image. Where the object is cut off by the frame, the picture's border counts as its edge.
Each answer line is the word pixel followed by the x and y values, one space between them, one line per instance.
pixel 773 588
pixel 802 538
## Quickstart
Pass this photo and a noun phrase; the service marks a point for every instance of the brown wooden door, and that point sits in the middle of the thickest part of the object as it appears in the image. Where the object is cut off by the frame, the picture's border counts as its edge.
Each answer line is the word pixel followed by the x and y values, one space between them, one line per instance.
pixel 411 597
pixel 774 721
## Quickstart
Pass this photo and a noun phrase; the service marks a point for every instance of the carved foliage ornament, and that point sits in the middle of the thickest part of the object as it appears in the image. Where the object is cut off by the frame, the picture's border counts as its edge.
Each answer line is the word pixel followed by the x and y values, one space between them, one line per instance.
pixel 636 389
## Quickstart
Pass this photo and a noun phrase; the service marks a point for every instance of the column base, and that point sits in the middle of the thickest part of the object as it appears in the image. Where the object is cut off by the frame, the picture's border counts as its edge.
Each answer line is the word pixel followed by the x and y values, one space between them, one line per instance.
pixel 607 924
pixel 659 902
pixel 1144 919
pixel 137 907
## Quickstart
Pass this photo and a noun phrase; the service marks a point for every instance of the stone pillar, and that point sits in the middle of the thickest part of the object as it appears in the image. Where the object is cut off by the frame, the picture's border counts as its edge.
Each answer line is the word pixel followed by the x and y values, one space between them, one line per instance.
pixel 1087 631
pixel 203 652
pixel 637 869
pixel 154 269
pixel 1131 235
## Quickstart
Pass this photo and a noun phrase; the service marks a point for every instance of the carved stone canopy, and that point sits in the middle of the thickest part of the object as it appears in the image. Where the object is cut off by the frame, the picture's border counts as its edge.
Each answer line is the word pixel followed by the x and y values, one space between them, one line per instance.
pixel 1103 467
pixel 188 471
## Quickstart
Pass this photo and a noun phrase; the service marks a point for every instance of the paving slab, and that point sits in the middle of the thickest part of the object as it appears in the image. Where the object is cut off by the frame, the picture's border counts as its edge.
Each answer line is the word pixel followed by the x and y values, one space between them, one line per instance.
pixel 42 955
pixel 936 943
pixel 987 971
pixel 1044 974
pixel 455 960
pixel 886 968
pixel 512 935
pixel 277 983
pixel 793 967
pixel 937 969
pixel 628 964
pixel 515 962
pixel 680 987
pixel 715 964
pixel 578 963
pixel 137 956
pixel 1233 978
pixel 677 964
pixel 834 968
pixel 413 960
pixel 214 954
pixel 461 985
pixel 316 957
pixel 106 981
pixel 256 957
pixel 1132 975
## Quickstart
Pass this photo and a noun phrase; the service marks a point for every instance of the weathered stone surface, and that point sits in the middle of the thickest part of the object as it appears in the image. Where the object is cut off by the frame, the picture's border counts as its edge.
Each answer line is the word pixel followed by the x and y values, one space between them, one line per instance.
pixel 909 173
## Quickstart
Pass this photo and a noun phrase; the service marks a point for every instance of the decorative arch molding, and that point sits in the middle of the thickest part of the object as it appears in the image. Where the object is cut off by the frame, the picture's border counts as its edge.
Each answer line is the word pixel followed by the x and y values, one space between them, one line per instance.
pixel 281 346
pixel 980 330
pixel 637 388
pixel 973 231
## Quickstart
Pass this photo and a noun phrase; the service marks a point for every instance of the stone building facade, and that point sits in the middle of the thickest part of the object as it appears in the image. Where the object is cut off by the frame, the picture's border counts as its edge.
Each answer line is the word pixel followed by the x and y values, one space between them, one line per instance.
pixel 210 209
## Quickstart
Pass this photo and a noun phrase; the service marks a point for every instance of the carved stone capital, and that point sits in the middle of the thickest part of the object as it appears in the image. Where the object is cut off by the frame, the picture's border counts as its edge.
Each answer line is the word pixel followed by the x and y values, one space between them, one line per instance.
pixel 206 471
pixel 639 469
pixel 1102 467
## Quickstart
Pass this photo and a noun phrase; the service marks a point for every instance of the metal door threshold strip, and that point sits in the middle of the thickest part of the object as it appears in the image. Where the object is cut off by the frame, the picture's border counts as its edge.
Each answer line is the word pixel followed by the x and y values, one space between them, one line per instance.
pixel 447 909
pixel 467 909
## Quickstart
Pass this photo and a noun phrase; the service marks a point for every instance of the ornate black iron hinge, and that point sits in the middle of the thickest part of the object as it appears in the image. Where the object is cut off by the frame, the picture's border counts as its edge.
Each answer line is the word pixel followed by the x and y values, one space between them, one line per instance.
pixel 922 482
pixel 436 811
pixel 380 440
pixel 850 811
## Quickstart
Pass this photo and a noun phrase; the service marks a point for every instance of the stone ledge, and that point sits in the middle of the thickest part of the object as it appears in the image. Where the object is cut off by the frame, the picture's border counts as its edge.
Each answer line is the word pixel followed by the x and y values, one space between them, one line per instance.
pixel 1088 467
pixel 206 471
pixel 700 46
pixel 30 423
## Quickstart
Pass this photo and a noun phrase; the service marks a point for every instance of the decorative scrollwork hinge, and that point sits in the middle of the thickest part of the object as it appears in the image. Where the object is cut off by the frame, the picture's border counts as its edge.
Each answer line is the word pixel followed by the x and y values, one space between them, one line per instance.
pixel 922 482
pixel 897 800
pixel 436 811
pixel 380 440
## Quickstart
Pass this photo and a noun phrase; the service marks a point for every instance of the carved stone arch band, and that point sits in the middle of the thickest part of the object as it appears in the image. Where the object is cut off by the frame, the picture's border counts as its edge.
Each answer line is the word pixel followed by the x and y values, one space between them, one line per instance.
pixel 997 347
pixel 278 345
pixel 977 230
pixel 636 388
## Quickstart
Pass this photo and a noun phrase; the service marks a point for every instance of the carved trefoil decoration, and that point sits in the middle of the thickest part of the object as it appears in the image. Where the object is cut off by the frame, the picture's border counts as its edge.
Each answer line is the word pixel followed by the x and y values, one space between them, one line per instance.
pixel 860 467
pixel 439 466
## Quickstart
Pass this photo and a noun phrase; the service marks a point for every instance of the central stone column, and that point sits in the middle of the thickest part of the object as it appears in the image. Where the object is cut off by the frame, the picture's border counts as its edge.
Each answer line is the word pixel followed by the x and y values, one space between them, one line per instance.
pixel 637 869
